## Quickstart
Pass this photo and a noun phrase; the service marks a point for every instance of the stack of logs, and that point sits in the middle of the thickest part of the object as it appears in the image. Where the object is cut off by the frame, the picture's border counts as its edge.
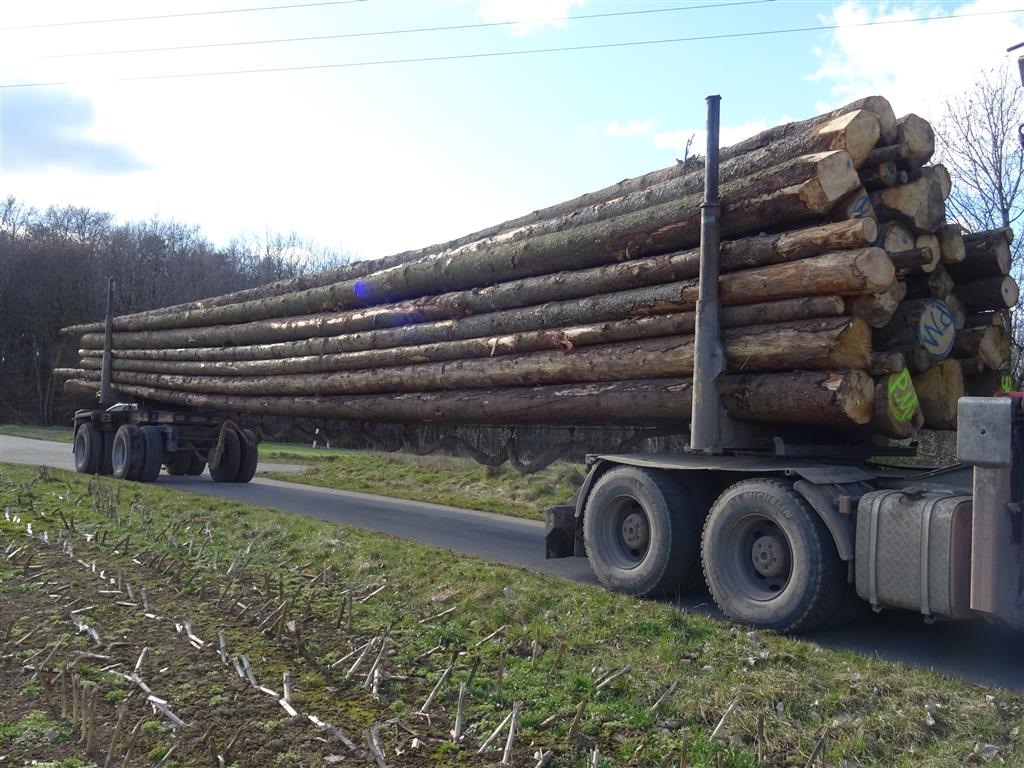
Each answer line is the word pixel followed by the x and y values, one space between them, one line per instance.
pixel 848 301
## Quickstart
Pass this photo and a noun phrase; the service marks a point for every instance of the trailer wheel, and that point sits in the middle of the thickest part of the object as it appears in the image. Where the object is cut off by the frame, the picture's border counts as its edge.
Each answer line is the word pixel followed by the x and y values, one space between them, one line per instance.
pixel 769 560
pixel 154 454
pixel 249 458
pixel 129 452
pixel 107 455
pixel 88 449
pixel 230 458
pixel 641 534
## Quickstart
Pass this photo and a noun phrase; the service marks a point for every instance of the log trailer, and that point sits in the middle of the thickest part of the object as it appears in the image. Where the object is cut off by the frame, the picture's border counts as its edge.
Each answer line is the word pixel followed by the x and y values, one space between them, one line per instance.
pixel 133 441
pixel 791 530
pixel 803 535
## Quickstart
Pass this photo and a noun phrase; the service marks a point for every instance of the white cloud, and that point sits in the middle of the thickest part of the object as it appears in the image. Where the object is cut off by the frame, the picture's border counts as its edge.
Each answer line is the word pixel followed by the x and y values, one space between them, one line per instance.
pixel 918 64
pixel 728 134
pixel 632 128
pixel 530 14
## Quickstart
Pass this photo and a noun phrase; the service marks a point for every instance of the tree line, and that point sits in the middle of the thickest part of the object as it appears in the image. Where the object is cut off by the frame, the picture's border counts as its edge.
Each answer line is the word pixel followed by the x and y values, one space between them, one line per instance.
pixel 54 266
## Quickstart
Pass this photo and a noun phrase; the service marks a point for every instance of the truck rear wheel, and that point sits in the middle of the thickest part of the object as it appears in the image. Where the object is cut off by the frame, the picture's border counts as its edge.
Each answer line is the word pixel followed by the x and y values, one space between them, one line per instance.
pixel 129 452
pixel 230 459
pixel 641 533
pixel 107 455
pixel 154 454
pixel 249 458
pixel 88 449
pixel 769 560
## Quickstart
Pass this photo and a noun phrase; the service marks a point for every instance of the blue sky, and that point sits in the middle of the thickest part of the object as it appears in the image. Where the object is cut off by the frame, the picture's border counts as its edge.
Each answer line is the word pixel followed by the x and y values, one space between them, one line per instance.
pixel 376 159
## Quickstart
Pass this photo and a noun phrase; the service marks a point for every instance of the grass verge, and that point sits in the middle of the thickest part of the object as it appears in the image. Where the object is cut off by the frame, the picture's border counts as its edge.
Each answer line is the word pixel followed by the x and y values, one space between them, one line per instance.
pixel 296 595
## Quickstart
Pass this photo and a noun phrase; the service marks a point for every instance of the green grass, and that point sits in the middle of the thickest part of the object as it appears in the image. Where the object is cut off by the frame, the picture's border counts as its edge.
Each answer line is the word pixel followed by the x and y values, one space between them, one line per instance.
pixel 437 479
pixel 559 639
pixel 61 434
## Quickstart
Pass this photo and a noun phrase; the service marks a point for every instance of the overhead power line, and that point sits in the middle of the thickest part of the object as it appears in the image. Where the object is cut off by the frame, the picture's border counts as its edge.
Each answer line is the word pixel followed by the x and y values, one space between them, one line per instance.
pixel 525 52
pixel 221 12
pixel 410 30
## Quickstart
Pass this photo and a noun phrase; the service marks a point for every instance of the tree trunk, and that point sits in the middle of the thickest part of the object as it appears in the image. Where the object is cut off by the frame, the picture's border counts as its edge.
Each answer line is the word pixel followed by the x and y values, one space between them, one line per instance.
pixel 938 390
pixel 836 343
pixel 988 293
pixel 897 412
pixel 986 254
pixel 919 205
pixel 917 134
pixel 798 189
pixel 834 399
pixel 879 176
pixel 951 242
pixel 877 308
pixel 986 343
pixel 866 270
pixel 920 322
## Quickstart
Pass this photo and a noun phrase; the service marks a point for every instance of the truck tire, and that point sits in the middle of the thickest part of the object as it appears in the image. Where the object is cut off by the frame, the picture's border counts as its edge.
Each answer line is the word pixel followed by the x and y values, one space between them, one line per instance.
pixel 769 560
pixel 641 534
pixel 249 457
pixel 227 470
pixel 107 456
pixel 129 452
pixel 154 454
pixel 88 449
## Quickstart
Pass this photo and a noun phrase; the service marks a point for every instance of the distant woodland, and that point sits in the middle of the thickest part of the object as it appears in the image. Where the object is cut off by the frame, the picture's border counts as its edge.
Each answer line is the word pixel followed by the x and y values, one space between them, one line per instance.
pixel 54 266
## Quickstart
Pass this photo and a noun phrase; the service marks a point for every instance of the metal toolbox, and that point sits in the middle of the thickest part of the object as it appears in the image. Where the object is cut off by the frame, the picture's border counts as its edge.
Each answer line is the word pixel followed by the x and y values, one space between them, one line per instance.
pixel 913 551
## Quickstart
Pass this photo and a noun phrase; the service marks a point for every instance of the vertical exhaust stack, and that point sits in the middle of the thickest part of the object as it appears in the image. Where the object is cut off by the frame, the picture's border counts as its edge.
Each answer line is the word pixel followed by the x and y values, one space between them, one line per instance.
pixel 709 357
pixel 106 397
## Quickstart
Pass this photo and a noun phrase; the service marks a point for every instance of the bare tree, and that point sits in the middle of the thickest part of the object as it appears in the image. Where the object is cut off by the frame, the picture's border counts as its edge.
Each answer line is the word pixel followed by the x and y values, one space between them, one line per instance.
pixel 978 142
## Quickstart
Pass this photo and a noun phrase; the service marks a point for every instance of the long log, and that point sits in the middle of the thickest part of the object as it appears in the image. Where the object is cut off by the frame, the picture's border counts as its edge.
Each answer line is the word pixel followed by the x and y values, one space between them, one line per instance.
pixel 986 343
pixel 939 389
pixel 836 343
pixel 802 188
pixel 866 270
pixel 877 308
pixel 917 134
pixel 986 254
pixel 856 204
pixel 897 412
pixel 567 338
pixel 988 293
pixel 835 399
pixel 735 255
pixel 951 242
pixel 936 284
pixel 919 205
pixel 731 317
pixel 879 176
pixel 924 323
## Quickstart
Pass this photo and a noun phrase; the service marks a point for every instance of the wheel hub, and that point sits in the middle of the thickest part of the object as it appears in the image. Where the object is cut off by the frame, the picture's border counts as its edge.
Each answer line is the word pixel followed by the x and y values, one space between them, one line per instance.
pixel 635 531
pixel 770 555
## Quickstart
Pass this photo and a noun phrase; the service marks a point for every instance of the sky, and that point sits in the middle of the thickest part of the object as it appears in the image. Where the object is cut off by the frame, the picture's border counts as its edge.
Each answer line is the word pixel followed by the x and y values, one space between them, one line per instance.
pixel 370 138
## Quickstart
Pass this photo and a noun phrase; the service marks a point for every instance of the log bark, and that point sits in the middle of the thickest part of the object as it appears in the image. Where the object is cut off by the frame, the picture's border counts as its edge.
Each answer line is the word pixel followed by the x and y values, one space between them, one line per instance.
pixel 988 293
pixel 924 323
pixel 958 309
pixel 897 412
pixel 835 399
pixel 917 134
pixel 879 176
pixel 889 153
pixel 567 339
pixel 986 343
pixel 919 205
pixel 802 188
pixel 951 242
pixel 877 309
pixel 986 254
pixel 866 270
pixel 938 174
pixel 975 319
pixel 837 343
pixel 938 390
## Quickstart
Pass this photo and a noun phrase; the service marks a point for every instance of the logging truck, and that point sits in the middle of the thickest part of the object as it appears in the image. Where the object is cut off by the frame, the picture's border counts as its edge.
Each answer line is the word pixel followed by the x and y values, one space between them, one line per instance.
pixel 791 533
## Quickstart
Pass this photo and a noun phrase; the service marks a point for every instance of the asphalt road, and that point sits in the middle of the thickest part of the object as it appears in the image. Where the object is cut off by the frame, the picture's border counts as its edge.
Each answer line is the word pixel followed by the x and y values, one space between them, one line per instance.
pixel 972 651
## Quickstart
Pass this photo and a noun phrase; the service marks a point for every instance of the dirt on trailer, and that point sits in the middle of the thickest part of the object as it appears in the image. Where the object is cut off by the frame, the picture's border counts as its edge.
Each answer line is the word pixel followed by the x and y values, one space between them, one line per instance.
pixel 124 657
